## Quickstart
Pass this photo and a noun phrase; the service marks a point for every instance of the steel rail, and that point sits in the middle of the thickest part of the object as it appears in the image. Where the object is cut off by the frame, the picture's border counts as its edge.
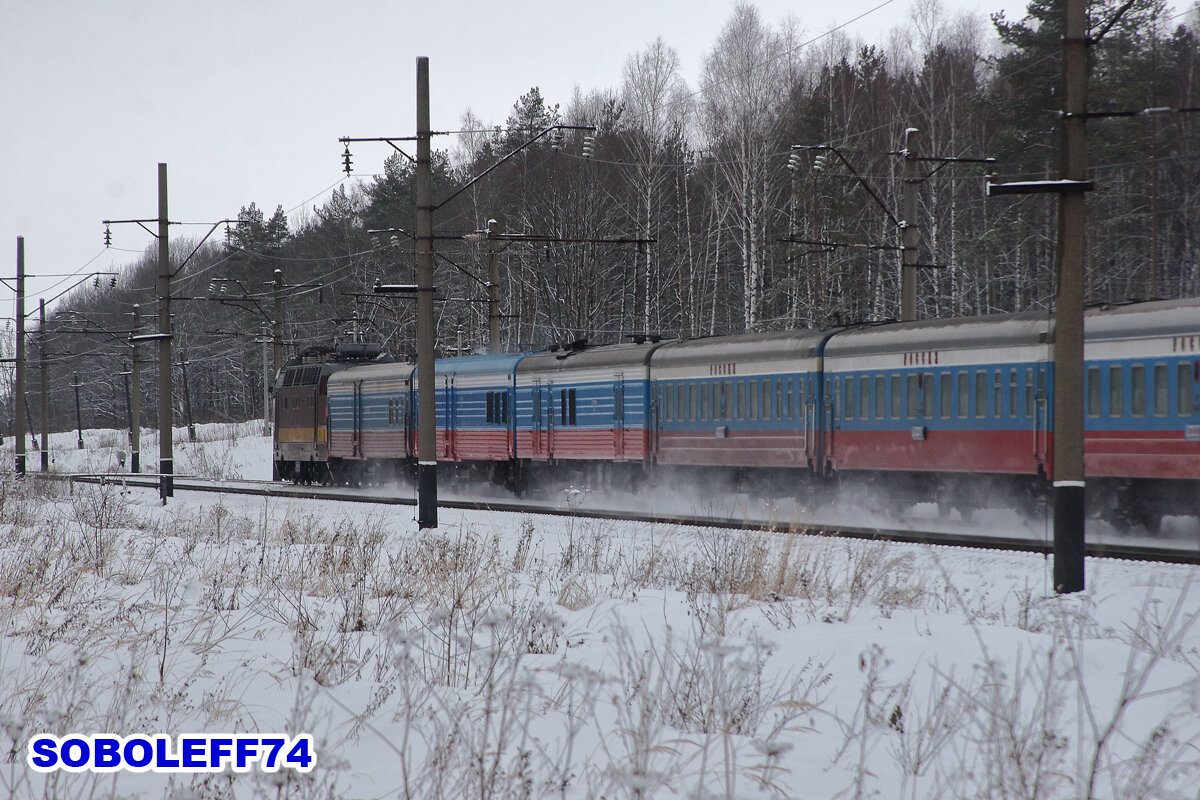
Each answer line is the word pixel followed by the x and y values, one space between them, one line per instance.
pixel 1128 552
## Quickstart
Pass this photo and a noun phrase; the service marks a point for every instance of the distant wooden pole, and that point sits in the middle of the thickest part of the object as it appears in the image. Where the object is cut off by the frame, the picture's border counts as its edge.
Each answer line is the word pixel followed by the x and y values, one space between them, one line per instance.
pixel 911 233
pixel 166 402
pixel 45 399
pixel 19 405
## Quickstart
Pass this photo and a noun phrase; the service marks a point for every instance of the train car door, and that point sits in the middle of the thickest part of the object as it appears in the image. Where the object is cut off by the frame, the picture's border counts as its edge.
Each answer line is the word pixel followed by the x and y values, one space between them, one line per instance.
pixel 450 411
pixel 535 427
pixel 1041 417
pixel 619 417
pixel 543 419
pixel 808 404
pixel 357 420
pixel 826 411
pixel 548 409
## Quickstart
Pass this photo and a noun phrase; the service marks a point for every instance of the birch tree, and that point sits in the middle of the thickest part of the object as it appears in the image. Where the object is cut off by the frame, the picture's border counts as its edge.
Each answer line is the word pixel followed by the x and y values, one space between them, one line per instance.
pixel 743 79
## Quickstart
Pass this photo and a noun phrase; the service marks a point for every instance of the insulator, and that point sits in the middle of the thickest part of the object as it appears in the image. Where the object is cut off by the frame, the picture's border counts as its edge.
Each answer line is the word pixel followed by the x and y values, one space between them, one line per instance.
pixel 112 282
pixel 346 160
pixel 96 282
pixel 794 162
pixel 821 162
pixel 107 236
pixel 556 139
pixel 589 145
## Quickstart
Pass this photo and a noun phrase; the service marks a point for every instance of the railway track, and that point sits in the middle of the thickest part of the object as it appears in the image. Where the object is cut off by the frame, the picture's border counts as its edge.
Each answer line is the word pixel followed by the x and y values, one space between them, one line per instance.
pixel 1170 551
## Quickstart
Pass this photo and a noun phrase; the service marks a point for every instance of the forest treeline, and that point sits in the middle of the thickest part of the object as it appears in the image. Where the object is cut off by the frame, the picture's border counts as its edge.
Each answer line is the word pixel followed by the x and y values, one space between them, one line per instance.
pixel 743 232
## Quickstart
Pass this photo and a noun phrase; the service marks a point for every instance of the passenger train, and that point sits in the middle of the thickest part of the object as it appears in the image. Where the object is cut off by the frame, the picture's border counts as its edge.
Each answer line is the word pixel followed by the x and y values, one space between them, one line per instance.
pixel 946 410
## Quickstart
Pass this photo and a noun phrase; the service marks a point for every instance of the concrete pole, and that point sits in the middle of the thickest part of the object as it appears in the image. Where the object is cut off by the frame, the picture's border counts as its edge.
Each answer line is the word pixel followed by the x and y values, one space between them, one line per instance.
pixel 187 399
pixel 493 287
pixel 1068 313
pixel 266 350
pixel 277 323
pixel 19 408
pixel 426 411
pixel 78 416
pixel 166 404
pixel 45 399
pixel 128 412
pixel 911 234
pixel 135 398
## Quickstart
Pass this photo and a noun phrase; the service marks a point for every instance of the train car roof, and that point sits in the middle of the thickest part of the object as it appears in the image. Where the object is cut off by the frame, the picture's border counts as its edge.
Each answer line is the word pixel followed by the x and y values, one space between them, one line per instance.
pixel 484 364
pixel 953 333
pixel 613 355
pixel 399 371
pixel 1154 318
pixel 759 346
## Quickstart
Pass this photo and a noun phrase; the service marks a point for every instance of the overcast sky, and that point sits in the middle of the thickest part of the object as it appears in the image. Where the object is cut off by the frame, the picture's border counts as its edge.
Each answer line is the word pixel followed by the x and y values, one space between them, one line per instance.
pixel 245 99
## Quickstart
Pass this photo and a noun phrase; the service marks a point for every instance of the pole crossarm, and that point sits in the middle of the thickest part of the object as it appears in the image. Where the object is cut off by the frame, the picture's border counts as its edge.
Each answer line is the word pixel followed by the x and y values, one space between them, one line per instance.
pixel 487 171
pixel 828 148
pixel 196 249
pixel 390 140
pixel 1038 187
pixel 107 223
pixel 853 245
pixel 69 288
pixel 1141 112
pixel 483 236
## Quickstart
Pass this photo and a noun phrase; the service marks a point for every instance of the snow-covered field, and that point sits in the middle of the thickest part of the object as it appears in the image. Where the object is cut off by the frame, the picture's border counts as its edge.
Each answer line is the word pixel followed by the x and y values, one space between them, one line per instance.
pixel 509 655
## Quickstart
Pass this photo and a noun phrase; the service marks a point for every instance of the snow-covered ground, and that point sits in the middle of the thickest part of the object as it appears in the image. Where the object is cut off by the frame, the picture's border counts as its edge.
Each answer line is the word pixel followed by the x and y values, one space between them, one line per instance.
pixel 507 655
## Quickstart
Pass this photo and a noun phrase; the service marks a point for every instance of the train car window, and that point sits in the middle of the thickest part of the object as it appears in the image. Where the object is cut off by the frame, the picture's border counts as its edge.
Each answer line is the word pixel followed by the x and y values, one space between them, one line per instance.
pixel 1012 393
pixel 787 399
pixel 912 396
pixel 768 398
pixel 981 388
pixel 681 407
pixel 998 394
pixel 741 399
pixel 562 406
pixel 964 394
pixel 778 395
pixel 704 390
pixel 691 402
pixel 946 395
pixel 1093 391
pixel 752 391
pixel 1137 390
pixel 880 397
pixel 849 398
pixel 571 419
pixel 1184 389
pixel 1116 392
pixel 930 389
pixel 619 404
pixel 897 397
pixel 669 406
pixel 836 400
pixel 1162 391
pixel 489 415
pixel 864 397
